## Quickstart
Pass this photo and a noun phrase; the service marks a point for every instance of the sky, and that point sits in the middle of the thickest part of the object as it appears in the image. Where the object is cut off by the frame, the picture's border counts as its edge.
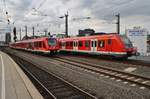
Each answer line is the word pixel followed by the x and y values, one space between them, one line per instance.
pixel 44 15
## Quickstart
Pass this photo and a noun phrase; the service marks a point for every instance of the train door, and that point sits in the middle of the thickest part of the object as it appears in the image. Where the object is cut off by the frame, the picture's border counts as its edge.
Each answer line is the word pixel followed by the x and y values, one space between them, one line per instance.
pixel 75 45
pixel 63 45
pixel 94 45
pixel 109 45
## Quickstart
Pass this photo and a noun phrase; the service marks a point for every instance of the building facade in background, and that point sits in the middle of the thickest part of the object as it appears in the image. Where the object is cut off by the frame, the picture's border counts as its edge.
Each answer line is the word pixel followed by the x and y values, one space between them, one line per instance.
pixel 138 37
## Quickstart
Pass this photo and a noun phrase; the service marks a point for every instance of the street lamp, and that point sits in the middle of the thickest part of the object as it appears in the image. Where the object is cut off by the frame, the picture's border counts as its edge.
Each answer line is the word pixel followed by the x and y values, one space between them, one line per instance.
pixel 20 30
pixel 118 23
pixel 66 23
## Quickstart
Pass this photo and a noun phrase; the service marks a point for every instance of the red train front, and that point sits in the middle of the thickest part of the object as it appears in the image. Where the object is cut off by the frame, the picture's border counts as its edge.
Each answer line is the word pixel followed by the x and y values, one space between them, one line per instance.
pixel 105 44
pixel 39 45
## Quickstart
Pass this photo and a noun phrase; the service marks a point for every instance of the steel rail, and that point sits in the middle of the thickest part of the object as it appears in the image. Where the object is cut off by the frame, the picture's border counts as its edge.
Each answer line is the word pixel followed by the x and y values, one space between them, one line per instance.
pixel 82 92
pixel 107 71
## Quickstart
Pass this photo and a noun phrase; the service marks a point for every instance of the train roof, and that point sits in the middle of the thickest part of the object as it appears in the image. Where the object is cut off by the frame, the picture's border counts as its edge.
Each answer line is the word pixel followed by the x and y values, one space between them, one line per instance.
pixel 33 40
pixel 92 36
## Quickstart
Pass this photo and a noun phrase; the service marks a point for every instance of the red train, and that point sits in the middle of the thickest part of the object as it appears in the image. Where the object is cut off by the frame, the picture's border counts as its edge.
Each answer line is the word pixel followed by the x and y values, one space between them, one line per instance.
pixel 43 45
pixel 106 44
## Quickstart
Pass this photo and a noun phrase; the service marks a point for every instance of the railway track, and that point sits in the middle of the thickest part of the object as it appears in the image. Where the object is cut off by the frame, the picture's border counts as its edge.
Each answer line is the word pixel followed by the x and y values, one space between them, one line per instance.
pixel 134 79
pixel 108 59
pixel 50 85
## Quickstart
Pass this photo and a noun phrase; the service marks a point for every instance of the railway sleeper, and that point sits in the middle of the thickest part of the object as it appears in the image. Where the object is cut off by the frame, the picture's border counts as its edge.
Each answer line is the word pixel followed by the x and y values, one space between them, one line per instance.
pixel 65 94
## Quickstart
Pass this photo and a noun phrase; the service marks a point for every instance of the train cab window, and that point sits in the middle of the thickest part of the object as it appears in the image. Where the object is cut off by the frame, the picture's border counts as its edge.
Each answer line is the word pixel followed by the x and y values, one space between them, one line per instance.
pixel 52 42
pixel 101 43
pixel 126 41
pixel 87 43
pixel 71 44
pixel 109 41
pixel 80 44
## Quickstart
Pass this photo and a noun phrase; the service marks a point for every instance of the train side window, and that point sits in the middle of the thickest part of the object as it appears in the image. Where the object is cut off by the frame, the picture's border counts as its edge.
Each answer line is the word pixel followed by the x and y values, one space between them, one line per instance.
pixel 40 44
pixel 35 44
pixel 30 45
pixel 71 44
pixel 67 43
pixel 62 43
pixel 80 44
pixel 87 43
pixel 109 41
pixel 101 43
pixel 44 45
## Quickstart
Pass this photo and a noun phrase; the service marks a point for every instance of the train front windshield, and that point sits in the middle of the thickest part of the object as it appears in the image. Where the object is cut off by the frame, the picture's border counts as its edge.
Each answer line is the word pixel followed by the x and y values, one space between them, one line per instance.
pixel 127 42
pixel 52 42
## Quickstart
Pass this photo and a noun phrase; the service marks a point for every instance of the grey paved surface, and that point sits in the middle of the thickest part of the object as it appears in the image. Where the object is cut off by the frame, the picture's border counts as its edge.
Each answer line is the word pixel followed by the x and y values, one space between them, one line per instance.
pixel 13 85
pixel 143 58
pixel 104 87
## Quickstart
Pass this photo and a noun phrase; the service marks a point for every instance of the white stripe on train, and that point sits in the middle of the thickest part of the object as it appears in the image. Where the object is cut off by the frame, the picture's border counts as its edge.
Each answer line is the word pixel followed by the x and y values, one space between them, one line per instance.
pixel 98 52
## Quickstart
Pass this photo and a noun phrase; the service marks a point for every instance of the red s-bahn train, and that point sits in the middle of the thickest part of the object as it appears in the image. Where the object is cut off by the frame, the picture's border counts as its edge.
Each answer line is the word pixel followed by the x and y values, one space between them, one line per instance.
pixel 113 45
pixel 39 45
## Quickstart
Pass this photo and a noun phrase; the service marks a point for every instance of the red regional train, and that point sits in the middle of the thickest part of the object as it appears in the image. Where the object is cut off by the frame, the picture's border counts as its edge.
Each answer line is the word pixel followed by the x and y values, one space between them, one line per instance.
pixel 39 45
pixel 113 45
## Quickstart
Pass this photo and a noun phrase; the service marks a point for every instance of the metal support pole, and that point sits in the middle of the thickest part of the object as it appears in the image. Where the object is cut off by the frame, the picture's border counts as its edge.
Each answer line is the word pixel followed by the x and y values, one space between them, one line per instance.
pixel 118 23
pixel 26 31
pixel 14 31
pixel 66 24
pixel 20 34
pixel 33 31
pixel 45 30
pixel 45 33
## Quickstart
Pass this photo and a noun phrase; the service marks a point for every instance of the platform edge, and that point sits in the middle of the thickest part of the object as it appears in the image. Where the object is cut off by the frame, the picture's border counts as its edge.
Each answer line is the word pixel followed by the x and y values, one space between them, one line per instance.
pixel 30 87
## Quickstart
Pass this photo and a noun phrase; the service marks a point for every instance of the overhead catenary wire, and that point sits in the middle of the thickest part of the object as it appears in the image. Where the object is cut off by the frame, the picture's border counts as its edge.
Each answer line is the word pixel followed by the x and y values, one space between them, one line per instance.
pixel 41 4
pixel 5 8
pixel 5 5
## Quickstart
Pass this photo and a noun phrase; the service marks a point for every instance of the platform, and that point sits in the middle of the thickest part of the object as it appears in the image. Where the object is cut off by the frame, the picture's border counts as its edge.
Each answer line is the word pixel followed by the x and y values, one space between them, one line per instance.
pixel 14 84
pixel 141 58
